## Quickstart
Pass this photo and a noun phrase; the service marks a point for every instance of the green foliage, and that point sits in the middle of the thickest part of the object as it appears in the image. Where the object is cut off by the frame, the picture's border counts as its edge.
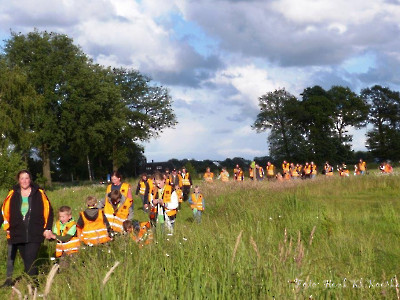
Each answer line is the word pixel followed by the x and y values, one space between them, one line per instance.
pixel 314 128
pixel 10 164
pixel 73 113
pixel 190 168
pixel 384 114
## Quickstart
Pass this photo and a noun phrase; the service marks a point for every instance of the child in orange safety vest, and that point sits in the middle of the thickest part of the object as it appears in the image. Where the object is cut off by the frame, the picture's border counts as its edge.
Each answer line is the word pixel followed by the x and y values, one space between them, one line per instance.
pixel 164 204
pixel 64 231
pixel 117 209
pixel 196 201
pixel 141 232
pixel 92 226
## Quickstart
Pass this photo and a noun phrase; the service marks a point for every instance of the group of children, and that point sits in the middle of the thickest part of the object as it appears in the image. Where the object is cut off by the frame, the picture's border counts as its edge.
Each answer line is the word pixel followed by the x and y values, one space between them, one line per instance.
pixel 292 171
pixel 96 225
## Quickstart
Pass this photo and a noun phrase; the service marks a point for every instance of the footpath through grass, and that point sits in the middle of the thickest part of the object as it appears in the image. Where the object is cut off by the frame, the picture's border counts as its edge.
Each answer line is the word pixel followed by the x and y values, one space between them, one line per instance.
pixel 324 238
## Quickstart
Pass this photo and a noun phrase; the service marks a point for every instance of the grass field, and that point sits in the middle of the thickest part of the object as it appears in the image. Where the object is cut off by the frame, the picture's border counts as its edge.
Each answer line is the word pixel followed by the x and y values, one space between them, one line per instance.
pixel 333 238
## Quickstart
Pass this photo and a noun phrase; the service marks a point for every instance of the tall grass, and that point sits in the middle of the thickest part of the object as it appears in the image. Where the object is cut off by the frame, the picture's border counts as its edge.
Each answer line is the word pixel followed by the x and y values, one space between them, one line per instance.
pixel 322 238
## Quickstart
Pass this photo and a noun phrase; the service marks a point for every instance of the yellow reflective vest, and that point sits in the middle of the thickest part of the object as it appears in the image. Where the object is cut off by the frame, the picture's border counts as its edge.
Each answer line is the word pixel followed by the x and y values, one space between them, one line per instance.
pixel 197 201
pixel 94 232
pixel 118 216
pixel 72 246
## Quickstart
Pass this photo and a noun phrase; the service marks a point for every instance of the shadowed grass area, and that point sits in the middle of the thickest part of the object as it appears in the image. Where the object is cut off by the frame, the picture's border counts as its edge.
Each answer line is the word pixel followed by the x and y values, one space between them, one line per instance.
pixel 328 237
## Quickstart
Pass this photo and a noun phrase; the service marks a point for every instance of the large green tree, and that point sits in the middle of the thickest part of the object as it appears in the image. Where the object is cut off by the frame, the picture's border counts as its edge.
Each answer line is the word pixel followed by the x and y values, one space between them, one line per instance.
pixel 17 109
pixel 313 128
pixel 50 62
pixel 277 114
pixel 384 114
pixel 350 111
pixel 81 117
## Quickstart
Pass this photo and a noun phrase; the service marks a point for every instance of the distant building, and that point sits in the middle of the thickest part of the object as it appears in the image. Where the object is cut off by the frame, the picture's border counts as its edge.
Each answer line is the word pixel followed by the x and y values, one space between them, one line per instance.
pixel 152 167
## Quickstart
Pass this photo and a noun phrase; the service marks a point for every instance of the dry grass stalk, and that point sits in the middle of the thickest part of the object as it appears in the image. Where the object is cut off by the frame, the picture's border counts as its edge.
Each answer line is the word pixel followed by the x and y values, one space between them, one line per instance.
pixel 17 291
pixel 253 243
pixel 289 249
pixel 312 234
pixel 49 280
pixel 30 292
pixel 285 239
pixel 397 287
pixel 236 245
pixel 298 239
pixel 300 251
pixel 281 251
pixel 108 275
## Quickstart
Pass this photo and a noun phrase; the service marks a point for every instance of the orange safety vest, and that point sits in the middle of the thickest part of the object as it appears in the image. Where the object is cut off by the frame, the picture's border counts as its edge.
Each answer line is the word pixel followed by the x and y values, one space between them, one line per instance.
pixel 186 181
pixel 208 176
pixel 240 176
pixel 313 169
pixel 285 168
pixel 224 176
pixel 118 216
pixel 388 168
pixel 145 234
pixel 197 202
pixel 142 188
pixel 270 170
pixel 261 172
pixel 179 193
pixel 251 172
pixel 94 232
pixel 307 169
pixel 166 197
pixel 72 246
pixel 151 185
pixel 6 210
pixel 124 189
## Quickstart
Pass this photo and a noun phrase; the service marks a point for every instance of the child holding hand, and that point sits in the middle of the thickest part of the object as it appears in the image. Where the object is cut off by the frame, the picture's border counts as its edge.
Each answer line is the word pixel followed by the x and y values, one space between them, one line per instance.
pixel 64 231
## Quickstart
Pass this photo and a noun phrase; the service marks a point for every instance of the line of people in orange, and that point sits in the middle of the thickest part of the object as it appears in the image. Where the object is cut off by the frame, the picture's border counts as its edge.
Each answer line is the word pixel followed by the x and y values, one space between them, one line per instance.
pixel 291 171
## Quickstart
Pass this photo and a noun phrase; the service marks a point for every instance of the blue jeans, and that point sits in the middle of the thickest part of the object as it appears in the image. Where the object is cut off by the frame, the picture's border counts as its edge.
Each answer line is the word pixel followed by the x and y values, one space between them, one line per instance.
pixel 197 215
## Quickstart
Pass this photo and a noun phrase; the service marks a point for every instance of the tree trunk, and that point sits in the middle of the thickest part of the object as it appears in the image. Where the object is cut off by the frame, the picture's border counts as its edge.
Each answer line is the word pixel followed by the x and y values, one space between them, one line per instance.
pixel 46 164
pixel 88 165
pixel 115 164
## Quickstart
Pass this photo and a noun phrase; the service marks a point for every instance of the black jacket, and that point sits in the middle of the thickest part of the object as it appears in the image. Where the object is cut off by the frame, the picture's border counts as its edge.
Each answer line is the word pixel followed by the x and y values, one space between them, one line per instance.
pixel 29 229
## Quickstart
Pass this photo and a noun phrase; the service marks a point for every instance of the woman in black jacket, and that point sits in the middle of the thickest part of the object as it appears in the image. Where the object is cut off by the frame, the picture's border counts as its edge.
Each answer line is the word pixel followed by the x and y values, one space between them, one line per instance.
pixel 27 216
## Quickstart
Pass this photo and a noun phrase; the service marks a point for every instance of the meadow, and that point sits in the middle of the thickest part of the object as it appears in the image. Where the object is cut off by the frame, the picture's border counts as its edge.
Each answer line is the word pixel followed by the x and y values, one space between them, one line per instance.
pixel 333 238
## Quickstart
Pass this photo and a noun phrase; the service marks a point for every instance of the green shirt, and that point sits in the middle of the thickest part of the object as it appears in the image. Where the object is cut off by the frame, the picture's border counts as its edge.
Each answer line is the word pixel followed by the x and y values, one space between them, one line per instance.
pixel 68 235
pixel 24 206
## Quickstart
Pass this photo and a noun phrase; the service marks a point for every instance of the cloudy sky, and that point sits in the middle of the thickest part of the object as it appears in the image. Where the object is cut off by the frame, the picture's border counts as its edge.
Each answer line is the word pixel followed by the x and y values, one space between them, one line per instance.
pixel 218 56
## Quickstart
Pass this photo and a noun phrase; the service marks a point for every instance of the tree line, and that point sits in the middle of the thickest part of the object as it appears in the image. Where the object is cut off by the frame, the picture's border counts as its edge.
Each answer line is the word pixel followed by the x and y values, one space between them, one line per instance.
pixel 315 127
pixel 66 117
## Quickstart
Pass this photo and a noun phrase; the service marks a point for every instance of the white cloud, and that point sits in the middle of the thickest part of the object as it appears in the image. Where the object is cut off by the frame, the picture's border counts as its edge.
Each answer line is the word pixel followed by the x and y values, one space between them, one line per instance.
pixel 326 11
pixel 259 46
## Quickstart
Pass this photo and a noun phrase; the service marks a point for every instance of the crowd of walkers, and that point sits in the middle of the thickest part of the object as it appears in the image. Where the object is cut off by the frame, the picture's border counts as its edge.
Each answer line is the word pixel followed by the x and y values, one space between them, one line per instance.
pixel 27 216
pixel 290 171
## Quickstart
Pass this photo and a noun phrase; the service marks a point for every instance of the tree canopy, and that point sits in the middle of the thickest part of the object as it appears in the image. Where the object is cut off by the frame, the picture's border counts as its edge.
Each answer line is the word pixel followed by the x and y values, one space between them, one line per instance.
pixel 76 116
